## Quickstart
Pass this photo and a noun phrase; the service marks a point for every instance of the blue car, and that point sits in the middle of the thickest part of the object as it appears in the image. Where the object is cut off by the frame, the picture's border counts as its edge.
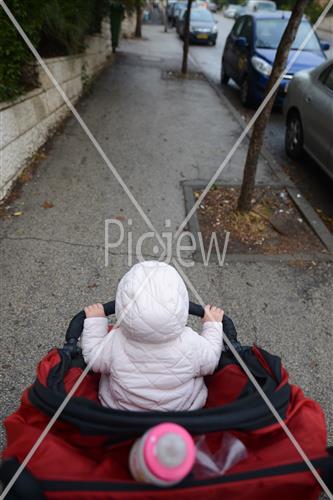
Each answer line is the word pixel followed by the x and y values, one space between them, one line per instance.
pixel 250 51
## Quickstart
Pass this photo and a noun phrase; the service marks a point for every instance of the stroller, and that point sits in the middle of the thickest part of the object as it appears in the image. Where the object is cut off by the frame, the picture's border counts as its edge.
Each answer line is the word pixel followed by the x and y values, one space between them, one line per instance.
pixel 85 454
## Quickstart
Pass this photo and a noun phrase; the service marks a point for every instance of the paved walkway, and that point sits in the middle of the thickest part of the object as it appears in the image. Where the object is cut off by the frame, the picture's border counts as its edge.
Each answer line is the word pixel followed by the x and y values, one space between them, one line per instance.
pixel 157 133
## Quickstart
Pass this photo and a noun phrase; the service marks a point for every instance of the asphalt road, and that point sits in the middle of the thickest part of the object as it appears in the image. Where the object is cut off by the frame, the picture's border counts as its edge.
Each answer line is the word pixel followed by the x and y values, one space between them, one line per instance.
pixel 314 184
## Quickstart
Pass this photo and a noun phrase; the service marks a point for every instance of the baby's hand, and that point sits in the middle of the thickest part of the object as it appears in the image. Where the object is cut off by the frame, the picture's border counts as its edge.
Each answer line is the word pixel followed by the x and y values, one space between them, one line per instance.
pixel 213 313
pixel 94 311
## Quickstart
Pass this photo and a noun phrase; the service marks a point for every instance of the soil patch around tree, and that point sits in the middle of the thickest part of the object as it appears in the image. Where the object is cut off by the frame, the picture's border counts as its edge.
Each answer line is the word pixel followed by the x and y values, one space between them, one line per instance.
pixel 273 226
pixel 177 75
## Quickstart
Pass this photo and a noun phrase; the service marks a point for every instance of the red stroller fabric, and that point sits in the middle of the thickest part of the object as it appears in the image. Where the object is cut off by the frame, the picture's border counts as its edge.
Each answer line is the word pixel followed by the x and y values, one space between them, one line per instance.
pixel 70 464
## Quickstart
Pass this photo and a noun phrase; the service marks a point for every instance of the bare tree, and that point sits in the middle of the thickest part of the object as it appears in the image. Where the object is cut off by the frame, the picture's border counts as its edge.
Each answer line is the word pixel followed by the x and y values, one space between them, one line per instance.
pixel 257 137
pixel 138 9
pixel 186 36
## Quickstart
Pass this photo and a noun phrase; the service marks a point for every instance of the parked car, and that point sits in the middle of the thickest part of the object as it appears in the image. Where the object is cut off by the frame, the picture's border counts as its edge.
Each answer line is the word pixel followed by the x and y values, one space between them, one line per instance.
pixel 232 10
pixel 169 9
pixel 180 18
pixel 255 6
pixel 308 110
pixel 250 51
pixel 176 9
pixel 258 5
pixel 212 6
pixel 203 27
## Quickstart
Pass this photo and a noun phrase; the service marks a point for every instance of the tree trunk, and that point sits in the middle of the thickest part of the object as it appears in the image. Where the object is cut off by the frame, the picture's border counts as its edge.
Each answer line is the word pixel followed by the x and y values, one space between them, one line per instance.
pixel 186 36
pixel 257 137
pixel 165 16
pixel 138 8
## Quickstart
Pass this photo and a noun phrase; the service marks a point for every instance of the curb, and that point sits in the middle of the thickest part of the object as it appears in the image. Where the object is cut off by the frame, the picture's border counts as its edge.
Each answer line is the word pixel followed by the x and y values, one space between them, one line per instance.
pixel 312 218
pixel 193 227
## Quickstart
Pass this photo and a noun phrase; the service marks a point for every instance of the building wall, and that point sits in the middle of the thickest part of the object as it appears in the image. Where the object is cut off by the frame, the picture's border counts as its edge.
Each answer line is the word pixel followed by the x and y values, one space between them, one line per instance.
pixel 30 120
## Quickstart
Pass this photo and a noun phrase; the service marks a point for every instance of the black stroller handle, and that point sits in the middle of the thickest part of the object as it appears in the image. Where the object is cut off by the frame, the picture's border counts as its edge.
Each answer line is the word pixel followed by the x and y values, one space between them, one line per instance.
pixel 75 327
pixel 194 309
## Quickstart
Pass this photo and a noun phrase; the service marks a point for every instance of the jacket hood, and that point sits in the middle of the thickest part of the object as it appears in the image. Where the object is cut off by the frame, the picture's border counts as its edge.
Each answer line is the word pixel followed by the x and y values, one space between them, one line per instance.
pixel 152 303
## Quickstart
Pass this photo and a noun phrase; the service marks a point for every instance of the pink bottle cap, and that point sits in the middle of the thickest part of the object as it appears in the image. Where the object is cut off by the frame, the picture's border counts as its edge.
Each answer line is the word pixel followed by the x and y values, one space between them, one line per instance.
pixel 169 452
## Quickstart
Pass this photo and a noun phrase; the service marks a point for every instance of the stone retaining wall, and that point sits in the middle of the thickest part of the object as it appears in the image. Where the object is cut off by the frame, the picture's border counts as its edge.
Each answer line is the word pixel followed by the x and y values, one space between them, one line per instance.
pixel 28 122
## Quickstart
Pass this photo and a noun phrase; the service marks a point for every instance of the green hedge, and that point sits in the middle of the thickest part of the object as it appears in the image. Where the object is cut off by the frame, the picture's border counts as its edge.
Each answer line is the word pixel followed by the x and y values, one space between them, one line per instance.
pixel 14 54
pixel 313 10
pixel 55 27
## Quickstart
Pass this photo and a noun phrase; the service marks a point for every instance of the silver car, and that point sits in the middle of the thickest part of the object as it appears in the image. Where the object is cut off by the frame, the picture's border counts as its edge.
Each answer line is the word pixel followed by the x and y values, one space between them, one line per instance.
pixel 231 10
pixel 256 5
pixel 308 109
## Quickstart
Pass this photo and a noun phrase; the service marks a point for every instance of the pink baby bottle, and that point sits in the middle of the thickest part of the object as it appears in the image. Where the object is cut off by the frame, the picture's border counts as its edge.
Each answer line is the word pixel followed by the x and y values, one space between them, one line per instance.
pixel 164 455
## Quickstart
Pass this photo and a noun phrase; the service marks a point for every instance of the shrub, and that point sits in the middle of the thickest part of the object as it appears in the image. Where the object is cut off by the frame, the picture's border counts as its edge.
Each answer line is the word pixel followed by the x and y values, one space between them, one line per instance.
pixel 313 10
pixel 67 22
pixel 55 27
pixel 14 54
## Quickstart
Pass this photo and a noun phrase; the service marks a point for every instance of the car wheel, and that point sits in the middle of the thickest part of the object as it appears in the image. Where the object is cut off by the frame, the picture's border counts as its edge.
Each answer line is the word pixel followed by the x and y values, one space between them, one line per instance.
pixel 224 76
pixel 294 136
pixel 245 93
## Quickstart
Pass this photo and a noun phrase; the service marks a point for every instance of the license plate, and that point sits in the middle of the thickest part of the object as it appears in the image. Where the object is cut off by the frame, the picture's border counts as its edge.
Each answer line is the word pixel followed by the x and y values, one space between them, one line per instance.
pixel 202 36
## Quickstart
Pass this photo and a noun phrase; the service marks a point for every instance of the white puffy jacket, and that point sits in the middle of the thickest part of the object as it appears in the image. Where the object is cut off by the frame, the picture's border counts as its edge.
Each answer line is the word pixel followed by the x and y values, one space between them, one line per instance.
pixel 152 360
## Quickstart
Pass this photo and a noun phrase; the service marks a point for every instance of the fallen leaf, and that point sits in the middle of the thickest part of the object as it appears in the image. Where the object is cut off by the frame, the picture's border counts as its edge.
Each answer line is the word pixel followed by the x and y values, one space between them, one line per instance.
pixel 18 213
pixel 47 204
pixel 120 217
pixel 92 285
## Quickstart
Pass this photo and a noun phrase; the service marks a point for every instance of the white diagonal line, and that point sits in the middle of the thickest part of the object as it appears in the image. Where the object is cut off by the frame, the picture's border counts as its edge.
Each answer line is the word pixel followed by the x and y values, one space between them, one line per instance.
pixel 253 120
pixel 99 149
pixel 260 391
pixel 81 122
pixel 60 409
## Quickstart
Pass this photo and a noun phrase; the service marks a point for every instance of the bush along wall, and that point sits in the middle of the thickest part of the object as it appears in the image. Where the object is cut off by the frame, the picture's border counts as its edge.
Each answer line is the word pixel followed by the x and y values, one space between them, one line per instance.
pixel 56 28
pixel 14 54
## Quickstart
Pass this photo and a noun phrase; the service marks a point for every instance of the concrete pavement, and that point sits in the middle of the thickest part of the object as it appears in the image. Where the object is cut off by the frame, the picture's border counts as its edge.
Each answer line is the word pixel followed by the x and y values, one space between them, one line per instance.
pixel 157 133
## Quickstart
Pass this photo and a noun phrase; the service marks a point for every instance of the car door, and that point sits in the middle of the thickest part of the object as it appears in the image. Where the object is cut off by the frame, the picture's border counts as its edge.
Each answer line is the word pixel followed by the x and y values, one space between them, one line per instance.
pixel 318 114
pixel 328 84
pixel 181 22
pixel 244 52
pixel 230 53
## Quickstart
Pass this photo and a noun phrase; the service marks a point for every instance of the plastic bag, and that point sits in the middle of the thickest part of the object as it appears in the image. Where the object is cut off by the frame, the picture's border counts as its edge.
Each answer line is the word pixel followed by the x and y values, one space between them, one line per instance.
pixel 229 452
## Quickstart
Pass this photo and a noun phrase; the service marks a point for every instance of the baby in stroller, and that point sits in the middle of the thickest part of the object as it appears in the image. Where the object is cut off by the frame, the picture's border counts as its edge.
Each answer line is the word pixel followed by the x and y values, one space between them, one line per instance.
pixel 151 360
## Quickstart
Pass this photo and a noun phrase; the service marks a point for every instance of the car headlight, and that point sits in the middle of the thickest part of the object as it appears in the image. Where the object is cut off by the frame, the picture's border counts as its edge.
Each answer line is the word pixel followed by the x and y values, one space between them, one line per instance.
pixel 214 29
pixel 261 65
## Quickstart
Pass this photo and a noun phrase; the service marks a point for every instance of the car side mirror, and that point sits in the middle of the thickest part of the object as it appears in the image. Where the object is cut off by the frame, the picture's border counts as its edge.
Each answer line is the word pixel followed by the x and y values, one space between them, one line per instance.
pixel 241 41
pixel 324 45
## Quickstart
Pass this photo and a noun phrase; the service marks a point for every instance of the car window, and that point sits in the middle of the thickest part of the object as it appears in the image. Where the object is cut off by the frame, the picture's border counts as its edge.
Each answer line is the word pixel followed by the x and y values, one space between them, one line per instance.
pixel 246 29
pixel 201 15
pixel 238 26
pixel 327 77
pixel 269 33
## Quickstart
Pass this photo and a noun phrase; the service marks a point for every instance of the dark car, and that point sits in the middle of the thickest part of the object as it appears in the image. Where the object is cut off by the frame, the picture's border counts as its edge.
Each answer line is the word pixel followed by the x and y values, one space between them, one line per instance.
pixel 176 9
pixel 212 6
pixel 169 7
pixel 250 51
pixel 203 27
